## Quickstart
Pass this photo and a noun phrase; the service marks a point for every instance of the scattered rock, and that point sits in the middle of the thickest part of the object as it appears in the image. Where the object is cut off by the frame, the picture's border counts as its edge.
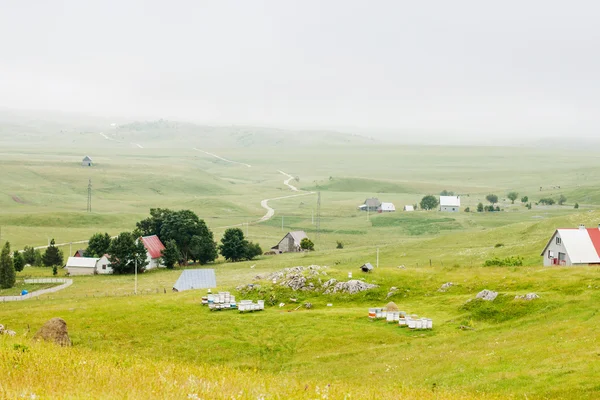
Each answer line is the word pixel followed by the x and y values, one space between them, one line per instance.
pixel 392 291
pixel 308 306
pixel 487 295
pixel 466 328
pixel 9 332
pixel 445 287
pixel 330 282
pixel 401 267
pixel 528 297
pixel 55 331
pixel 351 287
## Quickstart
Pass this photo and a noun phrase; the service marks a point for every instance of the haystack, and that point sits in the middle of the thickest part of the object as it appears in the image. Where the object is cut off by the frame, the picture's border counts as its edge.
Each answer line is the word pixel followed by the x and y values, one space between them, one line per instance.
pixel 391 306
pixel 55 331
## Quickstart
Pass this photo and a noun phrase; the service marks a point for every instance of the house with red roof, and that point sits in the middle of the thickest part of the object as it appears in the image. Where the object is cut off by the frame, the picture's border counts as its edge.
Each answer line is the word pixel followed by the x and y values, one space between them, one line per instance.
pixel 154 248
pixel 575 246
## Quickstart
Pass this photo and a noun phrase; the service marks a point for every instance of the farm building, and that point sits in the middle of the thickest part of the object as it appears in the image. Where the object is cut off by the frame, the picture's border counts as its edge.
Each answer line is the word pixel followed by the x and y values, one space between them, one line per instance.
pixel 367 267
pixel 409 208
pixel 574 246
pixel 103 265
pixel 371 204
pixel 290 242
pixel 195 279
pixel 450 203
pixel 79 253
pixel 154 248
pixel 86 162
pixel 386 207
pixel 81 265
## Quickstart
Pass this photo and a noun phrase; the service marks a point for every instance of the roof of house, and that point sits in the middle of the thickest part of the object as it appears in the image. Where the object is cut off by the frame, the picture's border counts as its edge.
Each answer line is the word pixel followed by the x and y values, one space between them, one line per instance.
pixel 388 207
pixel 79 253
pixel 298 236
pixel 81 262
pixel 153 245
pixel 450 201
pixel 196 279
pixel 582 245
pixel 409 208
pixel 367 266
pixel 87 158
pixel 372 202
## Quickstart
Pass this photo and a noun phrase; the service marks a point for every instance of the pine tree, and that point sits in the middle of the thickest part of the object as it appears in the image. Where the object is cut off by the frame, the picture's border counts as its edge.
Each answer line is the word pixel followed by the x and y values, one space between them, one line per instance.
pixel 7 268
pixel 18 261
pixel 170 254
pixel 53 255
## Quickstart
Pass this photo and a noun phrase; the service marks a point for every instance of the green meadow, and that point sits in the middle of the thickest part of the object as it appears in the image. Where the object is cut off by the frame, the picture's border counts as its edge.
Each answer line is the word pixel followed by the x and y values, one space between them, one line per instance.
pixel 546 348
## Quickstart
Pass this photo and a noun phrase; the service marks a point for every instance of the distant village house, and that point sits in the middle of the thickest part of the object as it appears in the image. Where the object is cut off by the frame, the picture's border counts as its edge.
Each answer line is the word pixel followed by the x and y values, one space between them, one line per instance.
pixel 450 203
pixel 409 208
pixel 86 162
pixel 371 204
pixel 386 207
pixel 574 246
pixel 88 265
pixel 290 242
pixel 154 248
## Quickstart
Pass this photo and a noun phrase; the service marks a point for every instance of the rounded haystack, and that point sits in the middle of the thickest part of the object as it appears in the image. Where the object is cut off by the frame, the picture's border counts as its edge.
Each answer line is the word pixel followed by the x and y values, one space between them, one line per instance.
pixel 391 306
pixel 55 331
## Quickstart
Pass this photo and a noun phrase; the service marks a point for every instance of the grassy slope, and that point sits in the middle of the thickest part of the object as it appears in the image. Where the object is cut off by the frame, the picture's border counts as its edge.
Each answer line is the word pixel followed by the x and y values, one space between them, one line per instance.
pixel 544 348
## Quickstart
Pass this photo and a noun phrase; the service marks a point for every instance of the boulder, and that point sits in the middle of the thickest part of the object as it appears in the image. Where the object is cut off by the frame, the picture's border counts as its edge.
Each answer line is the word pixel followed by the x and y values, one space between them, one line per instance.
pixel 445 286
pixel 351 287
pixel 55 331
pixel 488 295
pixel 528 297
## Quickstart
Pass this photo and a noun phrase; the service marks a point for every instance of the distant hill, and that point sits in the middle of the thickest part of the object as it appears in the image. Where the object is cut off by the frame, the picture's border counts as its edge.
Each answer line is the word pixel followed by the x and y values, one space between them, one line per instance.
pixel 43 128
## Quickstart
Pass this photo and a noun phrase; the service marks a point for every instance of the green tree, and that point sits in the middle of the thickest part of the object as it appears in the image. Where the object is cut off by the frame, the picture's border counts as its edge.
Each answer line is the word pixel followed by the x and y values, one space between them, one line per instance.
pixel 18 261
pixel 39 259
pixel 7 269
pixel 203 248
pixel 98 245
pixel 512 196
pixel 29 255
pixel 182 226
pixel 153 224
pixel 480 207
pixel 429 202
pixel 547 201
pixel 468 209
pixel 576 206
pixel 54 270
pixel 307 244
pixel 53 255
pixel 524 199
pixel 124 251
pixel 492 198
pixel 170 254
pixel 233 245
pixel 446 193
pixel 339 245
pixel 252 250
pixel 562 199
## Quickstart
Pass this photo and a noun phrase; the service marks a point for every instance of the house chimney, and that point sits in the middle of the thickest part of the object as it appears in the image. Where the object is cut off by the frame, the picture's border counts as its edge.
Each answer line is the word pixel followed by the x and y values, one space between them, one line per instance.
pixel 582 226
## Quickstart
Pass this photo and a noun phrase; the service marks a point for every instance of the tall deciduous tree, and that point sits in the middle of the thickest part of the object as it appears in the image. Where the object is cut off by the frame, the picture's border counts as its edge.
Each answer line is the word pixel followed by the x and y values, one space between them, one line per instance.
pixel 18 261
pixel 124 251
pixel 153 224
pixel 233 245
pixel 170 254
pixel 512 196
pixel 7 268
pixel 429 202
pixel 492 198
pixel 203 248
pixel 98 245
pixel 182 226
pixel 53 255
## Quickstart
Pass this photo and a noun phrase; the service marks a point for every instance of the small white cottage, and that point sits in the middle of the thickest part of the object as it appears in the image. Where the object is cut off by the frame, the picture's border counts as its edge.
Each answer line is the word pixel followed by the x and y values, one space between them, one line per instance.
pixel 450 203
pixel 86 162
pixel 574 246
pixel 81 265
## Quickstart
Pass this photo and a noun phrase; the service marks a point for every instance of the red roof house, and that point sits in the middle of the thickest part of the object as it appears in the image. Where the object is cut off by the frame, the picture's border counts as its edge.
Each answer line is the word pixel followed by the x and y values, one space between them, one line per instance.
pixel 154 248
pixel 575 246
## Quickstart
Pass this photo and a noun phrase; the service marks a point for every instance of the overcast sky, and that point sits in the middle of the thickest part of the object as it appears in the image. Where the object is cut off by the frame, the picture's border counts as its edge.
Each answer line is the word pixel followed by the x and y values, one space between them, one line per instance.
pixel 458 68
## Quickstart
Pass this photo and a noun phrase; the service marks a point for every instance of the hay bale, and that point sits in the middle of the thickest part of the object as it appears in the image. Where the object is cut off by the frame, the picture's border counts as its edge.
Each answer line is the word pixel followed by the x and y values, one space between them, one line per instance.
pixel 391 306
pixel 55 331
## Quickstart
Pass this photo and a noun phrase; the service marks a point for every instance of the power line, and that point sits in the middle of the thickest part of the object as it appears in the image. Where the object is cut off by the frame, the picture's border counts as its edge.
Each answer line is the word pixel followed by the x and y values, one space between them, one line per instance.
pixel 318 215
pixel 89 201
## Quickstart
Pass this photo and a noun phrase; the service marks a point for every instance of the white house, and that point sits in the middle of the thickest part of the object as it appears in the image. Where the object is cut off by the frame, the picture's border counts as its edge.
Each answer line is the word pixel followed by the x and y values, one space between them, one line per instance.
pixel 103 265
pixel 87 161
pixel 386 207
pixel 450 203
pixel 409 208
pixel 575 246
pixel 81 265
pixel 154 248
pixel 290 242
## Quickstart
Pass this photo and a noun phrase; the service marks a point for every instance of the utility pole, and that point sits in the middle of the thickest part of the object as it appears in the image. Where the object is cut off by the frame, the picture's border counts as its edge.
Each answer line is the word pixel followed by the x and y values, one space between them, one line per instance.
pixel 377 264
pixel 312 216
pixel 135 288
pixel 70 249
pixel 282 222
pixel 318 214
pixel 89 202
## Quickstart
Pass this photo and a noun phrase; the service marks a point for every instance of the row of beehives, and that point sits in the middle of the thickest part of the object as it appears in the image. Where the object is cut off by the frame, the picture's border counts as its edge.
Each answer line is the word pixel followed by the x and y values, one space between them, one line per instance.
pixel 410 321
pixel 225 301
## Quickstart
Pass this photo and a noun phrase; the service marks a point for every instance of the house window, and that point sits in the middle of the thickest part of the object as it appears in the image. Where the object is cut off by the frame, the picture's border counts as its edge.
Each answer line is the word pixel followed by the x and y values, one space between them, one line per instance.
pixel 558 241
pixel 104 266
pixel 453 209
pixel 550 254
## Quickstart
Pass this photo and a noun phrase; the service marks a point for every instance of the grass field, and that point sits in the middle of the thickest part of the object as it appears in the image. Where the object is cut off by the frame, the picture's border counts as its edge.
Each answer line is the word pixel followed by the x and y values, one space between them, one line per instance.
pixel 547 348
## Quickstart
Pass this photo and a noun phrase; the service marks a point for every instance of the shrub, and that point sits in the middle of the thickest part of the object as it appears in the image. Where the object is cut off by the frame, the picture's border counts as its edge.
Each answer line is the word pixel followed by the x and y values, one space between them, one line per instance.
pixel 467 209
pixel 547 201
pixel 524 199
pixel 576 206
pixel 561 200
pixel 510 261
pixel 339 245
pixel 499 245
pixel 307 244
pixel 480 207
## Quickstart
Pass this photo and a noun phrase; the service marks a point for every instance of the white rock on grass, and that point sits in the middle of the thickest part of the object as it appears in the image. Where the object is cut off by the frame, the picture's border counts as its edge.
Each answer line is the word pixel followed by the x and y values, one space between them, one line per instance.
pixel 528 297
pixel 488 295
pixel 445 286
